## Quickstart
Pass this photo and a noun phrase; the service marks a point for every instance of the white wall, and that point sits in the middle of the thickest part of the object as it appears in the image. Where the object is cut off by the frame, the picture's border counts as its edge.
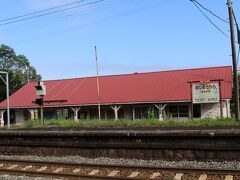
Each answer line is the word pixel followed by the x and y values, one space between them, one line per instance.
pixel 19 113
pixel 212 110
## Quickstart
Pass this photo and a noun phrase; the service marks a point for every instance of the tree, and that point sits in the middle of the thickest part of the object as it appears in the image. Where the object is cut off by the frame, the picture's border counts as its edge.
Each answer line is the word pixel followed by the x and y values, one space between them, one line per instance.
pixel 19 69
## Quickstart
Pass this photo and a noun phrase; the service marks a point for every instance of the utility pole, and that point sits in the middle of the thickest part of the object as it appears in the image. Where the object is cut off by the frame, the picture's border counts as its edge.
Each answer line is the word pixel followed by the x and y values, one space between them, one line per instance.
pixel 7 94
pixel 234 62
pixel 98 89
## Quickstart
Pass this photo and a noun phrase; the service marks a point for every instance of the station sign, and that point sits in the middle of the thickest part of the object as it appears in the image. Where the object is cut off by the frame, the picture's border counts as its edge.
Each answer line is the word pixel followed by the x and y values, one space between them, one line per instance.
pixel 205 93
pixel 41 89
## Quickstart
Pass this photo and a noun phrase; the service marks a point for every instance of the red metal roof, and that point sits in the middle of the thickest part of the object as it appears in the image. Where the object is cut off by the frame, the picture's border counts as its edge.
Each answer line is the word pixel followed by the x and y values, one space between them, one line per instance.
pixel 130 88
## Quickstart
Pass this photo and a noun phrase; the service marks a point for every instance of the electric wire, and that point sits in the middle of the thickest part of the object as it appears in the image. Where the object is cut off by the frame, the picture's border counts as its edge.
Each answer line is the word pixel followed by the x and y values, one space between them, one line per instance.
pixel 223 33
pixel 102 6
pixel 238 30
pixel 37 24
pixel 210 11
pixel 44 10
pixel 53 12
pixel 140 9
pixel 238 54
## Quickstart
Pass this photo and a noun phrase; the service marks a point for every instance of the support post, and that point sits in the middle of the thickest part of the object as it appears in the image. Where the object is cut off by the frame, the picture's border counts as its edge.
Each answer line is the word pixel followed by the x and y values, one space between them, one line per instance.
pixel 116 108
pixel 32 112
pixel 8 103
pixel 133 113
pixel 75 110
pixel 234 62
pixel 160 108
pixel 1 117
pixel 36 113
pixel 220 99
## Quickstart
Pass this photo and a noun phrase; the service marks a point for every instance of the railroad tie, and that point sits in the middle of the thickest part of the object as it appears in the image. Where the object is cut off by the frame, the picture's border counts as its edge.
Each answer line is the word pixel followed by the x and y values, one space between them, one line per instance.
pixel 113 173
pixel 178 176
pixel 58 170
pixel 229 177
pixel 155 175
pixel 26 168
pixel 43 168
pixel 76 171
pixel 134 174
pixel 13 166
pixel 203 177
pixel 93 172
pixel 5 175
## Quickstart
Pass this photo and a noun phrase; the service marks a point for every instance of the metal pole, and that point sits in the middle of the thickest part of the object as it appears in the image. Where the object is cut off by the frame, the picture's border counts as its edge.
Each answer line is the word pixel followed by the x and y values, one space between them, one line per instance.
pixel 8 104
pixel 98 89
pixel 235 73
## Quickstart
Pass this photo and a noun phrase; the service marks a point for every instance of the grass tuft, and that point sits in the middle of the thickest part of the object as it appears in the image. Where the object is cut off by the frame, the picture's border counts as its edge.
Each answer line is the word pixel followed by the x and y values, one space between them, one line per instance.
pixel 207 122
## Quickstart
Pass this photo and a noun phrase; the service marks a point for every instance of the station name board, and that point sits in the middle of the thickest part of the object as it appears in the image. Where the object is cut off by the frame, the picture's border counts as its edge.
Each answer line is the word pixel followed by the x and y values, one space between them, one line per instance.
pixel 205 93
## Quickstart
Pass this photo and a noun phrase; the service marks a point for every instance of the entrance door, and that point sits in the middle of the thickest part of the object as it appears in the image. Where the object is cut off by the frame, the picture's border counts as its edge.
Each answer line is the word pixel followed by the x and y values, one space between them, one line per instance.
pixel 196 110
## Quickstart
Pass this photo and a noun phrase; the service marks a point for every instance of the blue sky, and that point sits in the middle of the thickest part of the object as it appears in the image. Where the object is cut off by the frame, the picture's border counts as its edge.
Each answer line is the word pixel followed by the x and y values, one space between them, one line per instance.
pixel 130 35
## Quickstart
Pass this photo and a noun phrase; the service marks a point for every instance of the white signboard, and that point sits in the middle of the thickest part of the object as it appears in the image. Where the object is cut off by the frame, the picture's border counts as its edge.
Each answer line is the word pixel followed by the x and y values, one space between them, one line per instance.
pixel 205 93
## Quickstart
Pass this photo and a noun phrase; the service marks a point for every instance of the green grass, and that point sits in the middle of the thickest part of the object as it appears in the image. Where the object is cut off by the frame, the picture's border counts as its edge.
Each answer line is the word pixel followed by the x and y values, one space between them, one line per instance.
pixel 208 122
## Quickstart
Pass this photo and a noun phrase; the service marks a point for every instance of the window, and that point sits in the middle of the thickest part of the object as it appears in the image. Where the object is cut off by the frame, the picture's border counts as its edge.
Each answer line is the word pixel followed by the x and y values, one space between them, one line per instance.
pixel 178 111
pixel 141 112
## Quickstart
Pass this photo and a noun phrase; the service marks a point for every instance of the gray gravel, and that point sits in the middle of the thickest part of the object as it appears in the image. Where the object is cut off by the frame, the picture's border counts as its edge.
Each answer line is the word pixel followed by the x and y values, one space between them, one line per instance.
pixel 137 162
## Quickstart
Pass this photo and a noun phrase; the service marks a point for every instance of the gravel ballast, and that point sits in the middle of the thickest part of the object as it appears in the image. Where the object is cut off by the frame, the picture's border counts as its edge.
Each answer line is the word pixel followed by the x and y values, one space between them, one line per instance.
pixel 136 162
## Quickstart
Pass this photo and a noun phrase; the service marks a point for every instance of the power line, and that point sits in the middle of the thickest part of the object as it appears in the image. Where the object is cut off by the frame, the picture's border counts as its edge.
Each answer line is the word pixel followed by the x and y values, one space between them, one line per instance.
pixel 223 33
pixel 53 12
pixel 136 10
pixel 36 24
pixel 210 11
pixel 36 12
pixel 238 53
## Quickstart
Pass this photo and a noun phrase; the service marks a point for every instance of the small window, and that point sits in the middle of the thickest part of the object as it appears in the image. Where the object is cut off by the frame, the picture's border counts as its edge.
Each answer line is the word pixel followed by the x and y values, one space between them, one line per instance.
pixel 177 111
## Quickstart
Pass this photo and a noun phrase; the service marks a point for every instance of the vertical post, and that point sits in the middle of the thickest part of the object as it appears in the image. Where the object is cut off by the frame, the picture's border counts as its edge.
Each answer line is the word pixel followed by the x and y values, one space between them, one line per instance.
pixel 191 105
pixel 98 89
pixel 8 104
pixel 41 109
pixel 220 96
pixel 133 112
pixel 235 73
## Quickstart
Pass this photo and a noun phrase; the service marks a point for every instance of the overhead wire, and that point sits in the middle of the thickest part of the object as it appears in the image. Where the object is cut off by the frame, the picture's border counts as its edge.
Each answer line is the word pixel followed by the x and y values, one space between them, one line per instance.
pixel 238 34
pixel 210 11
pixel 223 33
pixel 53 12
pixel 139 9
pixel 44 10
pixel 37 24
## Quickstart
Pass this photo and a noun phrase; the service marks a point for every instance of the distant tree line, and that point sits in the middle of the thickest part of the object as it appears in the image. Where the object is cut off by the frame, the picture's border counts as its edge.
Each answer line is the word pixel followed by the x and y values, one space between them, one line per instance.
pixel 19 69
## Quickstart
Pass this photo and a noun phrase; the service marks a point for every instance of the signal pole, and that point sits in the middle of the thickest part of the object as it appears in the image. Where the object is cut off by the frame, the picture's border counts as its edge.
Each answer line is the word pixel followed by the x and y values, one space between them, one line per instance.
pixel 234 63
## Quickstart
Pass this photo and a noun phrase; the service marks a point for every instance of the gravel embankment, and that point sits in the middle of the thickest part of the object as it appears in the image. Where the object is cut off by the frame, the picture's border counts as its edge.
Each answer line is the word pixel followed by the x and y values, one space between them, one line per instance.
pixel 136 162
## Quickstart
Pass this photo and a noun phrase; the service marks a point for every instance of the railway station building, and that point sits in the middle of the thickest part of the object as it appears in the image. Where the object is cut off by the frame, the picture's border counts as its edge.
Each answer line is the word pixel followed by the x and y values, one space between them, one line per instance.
pixel 177 94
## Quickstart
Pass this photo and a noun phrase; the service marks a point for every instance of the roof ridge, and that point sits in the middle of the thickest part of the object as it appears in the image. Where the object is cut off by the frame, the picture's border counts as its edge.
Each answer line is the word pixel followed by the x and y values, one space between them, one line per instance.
pixel 137 73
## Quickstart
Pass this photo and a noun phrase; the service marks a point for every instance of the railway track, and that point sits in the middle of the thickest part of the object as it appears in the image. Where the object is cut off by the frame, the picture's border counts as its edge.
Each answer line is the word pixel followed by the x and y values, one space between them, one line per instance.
pixel 90 171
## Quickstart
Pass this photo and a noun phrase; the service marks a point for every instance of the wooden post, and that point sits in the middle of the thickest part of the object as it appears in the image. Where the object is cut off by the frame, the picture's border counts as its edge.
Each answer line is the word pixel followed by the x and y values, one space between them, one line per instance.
pixel 160 110
pixel 133 113
pixel 220 96
pixel 32 111
pixel 1 117
pixel 75 110
pixel 116 108
pixel 191 101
